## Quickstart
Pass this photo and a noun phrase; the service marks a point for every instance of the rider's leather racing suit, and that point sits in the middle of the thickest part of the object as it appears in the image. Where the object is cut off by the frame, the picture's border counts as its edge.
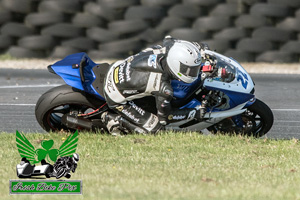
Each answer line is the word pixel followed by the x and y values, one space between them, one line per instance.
pixel 143 74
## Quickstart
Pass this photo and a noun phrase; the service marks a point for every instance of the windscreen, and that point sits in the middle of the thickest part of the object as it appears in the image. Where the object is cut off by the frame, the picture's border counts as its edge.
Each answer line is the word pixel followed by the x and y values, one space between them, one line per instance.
pixel 226 71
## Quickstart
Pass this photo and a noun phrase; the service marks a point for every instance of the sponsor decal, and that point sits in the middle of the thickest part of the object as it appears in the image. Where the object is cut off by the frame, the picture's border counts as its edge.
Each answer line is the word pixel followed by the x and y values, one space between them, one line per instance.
pixel 116 72
pixel 135 107
pixel 178 117
pixel 152 61
pixel 121 72
pixel 127 72
pixel 151 123
pixel 130 92
pixel 120 108
pixel 192 114
pixel 130 115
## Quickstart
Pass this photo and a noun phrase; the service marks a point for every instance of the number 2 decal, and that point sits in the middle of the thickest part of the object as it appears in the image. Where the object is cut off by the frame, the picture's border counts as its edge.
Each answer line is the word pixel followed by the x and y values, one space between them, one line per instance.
pixel 243 78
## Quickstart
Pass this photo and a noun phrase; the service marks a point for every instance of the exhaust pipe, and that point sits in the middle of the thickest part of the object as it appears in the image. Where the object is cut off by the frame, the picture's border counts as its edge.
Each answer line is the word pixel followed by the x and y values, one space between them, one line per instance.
pixel 76 123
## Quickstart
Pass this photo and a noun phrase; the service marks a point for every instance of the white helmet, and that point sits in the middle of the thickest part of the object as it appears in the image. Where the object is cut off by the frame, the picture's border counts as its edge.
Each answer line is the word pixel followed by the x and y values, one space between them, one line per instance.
pixel 184 60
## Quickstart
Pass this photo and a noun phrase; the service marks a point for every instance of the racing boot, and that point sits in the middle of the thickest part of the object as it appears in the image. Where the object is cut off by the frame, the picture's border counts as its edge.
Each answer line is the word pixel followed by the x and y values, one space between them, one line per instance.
pixel 112 123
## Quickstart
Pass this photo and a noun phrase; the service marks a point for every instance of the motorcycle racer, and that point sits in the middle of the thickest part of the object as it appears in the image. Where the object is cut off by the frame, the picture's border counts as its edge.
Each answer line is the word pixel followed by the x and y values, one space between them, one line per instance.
pixel 149 73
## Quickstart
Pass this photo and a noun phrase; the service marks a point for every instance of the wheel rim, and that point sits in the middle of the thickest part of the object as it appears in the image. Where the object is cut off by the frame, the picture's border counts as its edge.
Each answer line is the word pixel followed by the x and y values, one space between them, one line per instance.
pixel 53 116
pixel 253 122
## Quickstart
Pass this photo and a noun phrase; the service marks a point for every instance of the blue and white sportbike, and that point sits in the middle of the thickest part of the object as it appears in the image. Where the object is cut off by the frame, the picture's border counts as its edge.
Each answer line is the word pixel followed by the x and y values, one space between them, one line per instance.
pixel 225 88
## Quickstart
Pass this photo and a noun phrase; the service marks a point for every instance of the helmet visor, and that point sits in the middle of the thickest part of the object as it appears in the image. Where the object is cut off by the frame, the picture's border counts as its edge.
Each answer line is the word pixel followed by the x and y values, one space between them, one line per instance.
pixel 191 71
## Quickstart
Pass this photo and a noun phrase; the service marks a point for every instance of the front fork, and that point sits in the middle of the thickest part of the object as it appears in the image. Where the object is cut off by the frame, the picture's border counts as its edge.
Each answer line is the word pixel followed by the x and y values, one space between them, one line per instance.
pixel 238 121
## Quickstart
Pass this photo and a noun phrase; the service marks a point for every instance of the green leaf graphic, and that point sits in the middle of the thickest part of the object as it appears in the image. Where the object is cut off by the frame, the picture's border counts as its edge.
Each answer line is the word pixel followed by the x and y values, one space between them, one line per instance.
pixel 25 148
pixel 41 154
pixel 53 154
pixel 47 144
pixel 69 146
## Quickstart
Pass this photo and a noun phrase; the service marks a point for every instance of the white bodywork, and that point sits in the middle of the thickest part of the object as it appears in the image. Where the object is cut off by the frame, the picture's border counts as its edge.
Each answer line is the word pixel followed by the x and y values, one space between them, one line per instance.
pixel 242 85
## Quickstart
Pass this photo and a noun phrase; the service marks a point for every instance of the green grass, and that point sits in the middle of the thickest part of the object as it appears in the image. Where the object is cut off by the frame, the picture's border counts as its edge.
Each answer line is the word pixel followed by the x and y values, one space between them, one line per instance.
pixel 171 166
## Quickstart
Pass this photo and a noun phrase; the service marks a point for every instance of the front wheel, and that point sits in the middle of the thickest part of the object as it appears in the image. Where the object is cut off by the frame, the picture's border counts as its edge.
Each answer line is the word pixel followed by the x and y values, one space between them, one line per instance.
pixel 256 121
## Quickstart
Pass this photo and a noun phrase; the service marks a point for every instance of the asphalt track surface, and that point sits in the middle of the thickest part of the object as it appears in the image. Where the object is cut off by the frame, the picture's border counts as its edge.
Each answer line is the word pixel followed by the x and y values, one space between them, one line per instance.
pixel 20 90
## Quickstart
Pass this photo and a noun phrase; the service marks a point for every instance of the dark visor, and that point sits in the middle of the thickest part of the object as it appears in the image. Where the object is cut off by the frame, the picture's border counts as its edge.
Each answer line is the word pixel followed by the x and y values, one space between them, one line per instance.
pixel 192 71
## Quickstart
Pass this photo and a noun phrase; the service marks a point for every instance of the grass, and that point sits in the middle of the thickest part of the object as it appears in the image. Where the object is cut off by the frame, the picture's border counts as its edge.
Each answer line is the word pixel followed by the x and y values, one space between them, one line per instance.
pixel 171 166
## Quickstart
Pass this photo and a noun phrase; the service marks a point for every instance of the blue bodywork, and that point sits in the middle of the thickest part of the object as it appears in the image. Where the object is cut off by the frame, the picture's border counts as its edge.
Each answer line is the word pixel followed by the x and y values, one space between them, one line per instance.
pixel 69 70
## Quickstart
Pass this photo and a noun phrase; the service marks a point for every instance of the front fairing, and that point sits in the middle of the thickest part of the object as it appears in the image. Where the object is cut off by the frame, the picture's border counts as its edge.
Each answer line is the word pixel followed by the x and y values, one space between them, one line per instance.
pixel 236 80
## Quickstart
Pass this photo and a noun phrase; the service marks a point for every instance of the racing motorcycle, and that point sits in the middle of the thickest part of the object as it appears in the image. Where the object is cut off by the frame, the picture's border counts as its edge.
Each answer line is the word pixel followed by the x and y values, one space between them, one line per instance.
pixel 225 88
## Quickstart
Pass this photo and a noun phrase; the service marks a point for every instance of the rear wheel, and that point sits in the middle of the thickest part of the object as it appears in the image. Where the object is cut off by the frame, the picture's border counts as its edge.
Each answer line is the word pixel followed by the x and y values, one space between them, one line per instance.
pixel 63 100
pixel 256 121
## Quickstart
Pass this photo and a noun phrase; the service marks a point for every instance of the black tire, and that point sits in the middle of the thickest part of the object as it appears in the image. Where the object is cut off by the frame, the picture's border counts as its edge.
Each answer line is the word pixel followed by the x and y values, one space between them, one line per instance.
pixel 289 23
pixel 144 12
pixel 159 2
pixel 98 54
pixel 170 23
pixel 16 29
pixel 118 3
pixel 269 10
pixel 211 23
pixel 250 2
pixel 251 21
pixel 81 43
pixel 276 57
pixel 188 34
pixel 291 46
pixel 101 34
pixel 64 30
pixel 103 11
pixel 202 2
pixel 5 16
pixel 5 41
pixel 151 35
pixel 227 9
pixel 185 11
pixel 254 45
pixel 86 20
pixel 66 6
pixel 219 46
pixel 231 34
pixel 19 6
pixel 240 56
pixel 127 26
pixel 122 46
pixel 63 51
pixel 291 3
pixel 259 119
pixel 20 52
pixel 58 97
pixel 272 34
pixel 44 18
pixel 37 42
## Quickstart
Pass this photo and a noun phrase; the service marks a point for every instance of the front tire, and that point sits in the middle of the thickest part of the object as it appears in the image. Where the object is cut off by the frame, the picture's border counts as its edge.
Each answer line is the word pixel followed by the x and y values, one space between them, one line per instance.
pixel 61 100
pixel 257 120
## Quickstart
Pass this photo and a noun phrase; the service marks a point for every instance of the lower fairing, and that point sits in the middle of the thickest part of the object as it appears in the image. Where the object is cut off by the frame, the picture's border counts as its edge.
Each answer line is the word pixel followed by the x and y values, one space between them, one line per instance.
pixel 212 118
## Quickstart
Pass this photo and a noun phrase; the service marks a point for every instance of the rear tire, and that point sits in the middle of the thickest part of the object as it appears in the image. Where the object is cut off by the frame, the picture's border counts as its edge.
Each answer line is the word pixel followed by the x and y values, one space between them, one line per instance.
pixel 60 100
